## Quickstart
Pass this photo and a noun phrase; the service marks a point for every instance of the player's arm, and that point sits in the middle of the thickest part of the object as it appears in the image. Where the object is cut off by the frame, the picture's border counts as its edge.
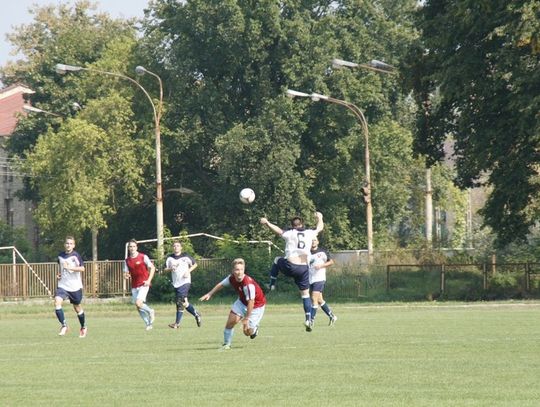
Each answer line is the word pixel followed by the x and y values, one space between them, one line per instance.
pixel 210 293
pixel 245 320
pixel 127 276
pixel 168 266
pixel 320 223
pixel 274 228
pixel 151 270
pixel 327 263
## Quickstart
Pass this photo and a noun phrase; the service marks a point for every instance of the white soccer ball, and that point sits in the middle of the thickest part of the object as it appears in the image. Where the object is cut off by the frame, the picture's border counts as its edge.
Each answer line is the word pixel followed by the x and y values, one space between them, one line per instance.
pixel 247 196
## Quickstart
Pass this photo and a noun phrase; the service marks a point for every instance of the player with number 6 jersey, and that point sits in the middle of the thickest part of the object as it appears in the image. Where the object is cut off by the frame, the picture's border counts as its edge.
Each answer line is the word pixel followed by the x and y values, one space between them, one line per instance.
pixel 295 263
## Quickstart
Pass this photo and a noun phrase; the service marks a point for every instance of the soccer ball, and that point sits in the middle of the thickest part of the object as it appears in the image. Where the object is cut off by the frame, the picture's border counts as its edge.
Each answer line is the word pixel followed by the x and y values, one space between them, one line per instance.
pixel 247 195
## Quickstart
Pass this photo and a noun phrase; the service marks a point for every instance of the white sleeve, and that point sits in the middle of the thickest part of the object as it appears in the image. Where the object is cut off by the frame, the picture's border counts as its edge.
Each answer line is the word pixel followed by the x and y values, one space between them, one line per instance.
pixel 225 282
pixel 147 261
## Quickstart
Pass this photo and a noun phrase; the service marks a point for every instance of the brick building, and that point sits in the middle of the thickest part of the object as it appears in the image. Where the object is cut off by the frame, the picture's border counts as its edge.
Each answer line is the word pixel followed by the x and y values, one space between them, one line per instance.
pixel 13 211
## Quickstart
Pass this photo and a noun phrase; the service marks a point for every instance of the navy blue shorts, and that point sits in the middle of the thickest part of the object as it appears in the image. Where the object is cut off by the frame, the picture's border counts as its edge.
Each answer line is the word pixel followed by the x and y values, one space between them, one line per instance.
pixel 182 291
pixel 300 272
pixel 75 297
pixel 317 286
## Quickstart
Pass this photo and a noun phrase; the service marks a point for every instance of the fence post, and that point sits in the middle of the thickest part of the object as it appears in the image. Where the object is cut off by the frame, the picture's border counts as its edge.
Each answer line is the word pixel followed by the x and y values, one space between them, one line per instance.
pixel 387 278
pixel 527 277
pixel 94 279
pixel 484 274
pixel 442 279
pixel 14 290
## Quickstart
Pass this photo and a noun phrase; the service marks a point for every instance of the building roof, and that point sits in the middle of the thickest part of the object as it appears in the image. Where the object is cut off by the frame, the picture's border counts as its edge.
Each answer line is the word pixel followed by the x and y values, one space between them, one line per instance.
pixel 11 104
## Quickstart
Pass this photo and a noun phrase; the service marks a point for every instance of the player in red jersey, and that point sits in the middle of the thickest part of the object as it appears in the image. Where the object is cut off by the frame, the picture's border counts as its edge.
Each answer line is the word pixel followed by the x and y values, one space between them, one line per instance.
pixel 249 307
pixel 140 270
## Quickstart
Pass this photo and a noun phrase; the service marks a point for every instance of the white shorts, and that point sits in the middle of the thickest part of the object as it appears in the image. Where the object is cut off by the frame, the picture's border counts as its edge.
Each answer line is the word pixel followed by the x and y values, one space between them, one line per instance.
pixel 256 314
pixel 139 293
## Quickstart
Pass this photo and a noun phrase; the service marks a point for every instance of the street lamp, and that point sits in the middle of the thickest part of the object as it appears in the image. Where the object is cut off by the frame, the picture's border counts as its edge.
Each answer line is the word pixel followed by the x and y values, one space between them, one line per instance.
pixel 32 109
pixel 373 65
pixel 383 67
pixel 366 188
pixel 63 68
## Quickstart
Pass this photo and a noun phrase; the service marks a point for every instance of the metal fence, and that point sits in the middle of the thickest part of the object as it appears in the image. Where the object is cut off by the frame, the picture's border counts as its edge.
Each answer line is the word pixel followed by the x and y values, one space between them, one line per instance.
pixel 507 279
pixel 100 279
pixel 351 281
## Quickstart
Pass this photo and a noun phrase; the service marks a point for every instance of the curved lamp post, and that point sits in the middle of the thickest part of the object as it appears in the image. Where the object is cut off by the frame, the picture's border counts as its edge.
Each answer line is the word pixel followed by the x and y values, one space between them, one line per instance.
pixel 366 188
pixel 157 111
pixel 383 67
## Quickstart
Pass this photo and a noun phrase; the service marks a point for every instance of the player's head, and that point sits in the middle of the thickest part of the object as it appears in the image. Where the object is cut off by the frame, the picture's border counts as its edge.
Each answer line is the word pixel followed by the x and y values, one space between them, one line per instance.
pixel 69 244
pixel 177 247
pixel 132 246
pixel 315 244
pixel 297 222
pixel 238 270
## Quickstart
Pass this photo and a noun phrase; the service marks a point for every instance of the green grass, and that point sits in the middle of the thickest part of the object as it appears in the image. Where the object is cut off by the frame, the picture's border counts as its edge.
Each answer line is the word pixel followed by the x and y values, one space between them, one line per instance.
pixel 376 355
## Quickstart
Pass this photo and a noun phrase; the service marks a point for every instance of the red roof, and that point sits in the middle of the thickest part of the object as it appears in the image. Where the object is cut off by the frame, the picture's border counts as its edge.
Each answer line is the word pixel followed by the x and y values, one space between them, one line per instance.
pixel 11 104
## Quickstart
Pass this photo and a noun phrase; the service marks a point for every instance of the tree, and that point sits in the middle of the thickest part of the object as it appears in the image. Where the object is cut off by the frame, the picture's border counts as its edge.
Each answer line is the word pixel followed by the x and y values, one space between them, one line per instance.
pixel 232 62
pixel 74 184
pixel 481 59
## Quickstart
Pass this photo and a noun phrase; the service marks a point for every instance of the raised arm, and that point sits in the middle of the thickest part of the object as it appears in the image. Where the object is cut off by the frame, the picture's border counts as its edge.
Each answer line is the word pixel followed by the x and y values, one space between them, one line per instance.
pixel 320 223
pixel 274 228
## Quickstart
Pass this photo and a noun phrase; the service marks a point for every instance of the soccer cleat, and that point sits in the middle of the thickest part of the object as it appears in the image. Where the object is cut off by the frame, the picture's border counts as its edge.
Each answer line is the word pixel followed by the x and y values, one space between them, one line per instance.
pixel 63 331
pixel 149 327
pixel 198 319
pixel 173 326
pixel 83 332
pixel 255 333
pixel 333 320
pixel 225 346
pixel 270 287
pixel 309 325
pixel 152 316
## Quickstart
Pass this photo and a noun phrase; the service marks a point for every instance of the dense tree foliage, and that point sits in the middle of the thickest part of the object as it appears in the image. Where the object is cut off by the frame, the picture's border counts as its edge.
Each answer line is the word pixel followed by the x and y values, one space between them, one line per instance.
pixel 230 64
pixel 477 80
pixel 226 66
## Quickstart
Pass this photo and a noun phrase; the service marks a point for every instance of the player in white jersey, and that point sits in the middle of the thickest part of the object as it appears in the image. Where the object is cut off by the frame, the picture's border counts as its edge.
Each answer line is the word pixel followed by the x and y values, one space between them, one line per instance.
pixel 181 265
pixel 318 262
pixel 70 286
pixel 295 262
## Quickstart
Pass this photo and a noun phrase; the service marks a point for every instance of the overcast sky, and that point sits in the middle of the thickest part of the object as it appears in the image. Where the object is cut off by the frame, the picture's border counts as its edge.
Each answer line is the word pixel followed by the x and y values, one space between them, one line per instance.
pixel 15 12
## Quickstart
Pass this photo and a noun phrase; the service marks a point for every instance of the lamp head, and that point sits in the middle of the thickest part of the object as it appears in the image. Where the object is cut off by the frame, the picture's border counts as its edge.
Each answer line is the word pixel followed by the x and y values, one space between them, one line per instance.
pixel 140 70
pixel 294 93
pixel 60 69
pixel 340 63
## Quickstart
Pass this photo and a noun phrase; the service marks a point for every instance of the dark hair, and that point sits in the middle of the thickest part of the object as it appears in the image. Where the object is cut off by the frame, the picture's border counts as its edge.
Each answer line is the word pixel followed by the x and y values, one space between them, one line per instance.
pixel 297 222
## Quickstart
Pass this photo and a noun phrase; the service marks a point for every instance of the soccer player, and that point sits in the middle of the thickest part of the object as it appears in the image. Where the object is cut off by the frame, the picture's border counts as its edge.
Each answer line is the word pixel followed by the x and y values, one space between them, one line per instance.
pixel 295 262
pixel 318 262
pixel 249 307
pixel 140 270
pixel 70 286
pixel 181 265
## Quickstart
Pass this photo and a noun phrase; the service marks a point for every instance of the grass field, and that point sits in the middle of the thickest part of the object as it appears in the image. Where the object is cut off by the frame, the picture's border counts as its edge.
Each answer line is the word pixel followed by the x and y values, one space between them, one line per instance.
pixel 376 355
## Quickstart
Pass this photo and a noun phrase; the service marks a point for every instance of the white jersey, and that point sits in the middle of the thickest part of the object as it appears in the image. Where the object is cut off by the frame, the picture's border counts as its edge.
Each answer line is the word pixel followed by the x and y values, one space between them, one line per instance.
pixel 320 256
pixel 70 280
pixel 298 242
pixel 180 266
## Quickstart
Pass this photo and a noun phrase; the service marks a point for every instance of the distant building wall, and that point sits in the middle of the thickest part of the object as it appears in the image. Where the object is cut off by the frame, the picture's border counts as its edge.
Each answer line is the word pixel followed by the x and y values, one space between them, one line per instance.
pixel 13 211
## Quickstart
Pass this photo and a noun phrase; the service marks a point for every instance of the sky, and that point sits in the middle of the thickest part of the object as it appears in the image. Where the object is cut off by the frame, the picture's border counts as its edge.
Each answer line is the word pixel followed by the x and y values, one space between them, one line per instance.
pixel 15 12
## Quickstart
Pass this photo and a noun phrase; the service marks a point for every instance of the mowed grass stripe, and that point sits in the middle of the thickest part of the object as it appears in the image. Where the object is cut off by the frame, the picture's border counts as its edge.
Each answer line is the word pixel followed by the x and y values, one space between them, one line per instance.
pixel 374 356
